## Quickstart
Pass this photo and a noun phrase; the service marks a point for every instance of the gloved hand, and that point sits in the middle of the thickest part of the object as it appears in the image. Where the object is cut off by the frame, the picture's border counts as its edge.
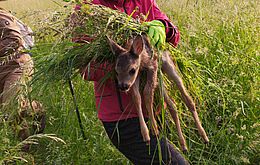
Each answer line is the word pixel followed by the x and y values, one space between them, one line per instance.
pixel 156 32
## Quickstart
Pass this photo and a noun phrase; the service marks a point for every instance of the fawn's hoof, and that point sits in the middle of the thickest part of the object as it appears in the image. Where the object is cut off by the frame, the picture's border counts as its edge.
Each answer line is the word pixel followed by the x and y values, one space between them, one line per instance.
pixel 146 138
pixel 184 149
pixel 206 140
pixel 145 134
pixel 203 135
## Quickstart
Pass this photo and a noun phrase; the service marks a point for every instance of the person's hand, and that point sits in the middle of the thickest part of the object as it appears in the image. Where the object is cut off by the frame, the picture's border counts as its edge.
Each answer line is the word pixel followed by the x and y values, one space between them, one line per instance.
pixel 156 32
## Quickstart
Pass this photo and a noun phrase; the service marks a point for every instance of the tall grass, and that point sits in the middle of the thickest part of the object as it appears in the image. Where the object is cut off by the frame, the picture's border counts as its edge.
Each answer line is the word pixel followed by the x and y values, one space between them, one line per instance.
pixel 223 37
pixel 18 6
pixel 220 43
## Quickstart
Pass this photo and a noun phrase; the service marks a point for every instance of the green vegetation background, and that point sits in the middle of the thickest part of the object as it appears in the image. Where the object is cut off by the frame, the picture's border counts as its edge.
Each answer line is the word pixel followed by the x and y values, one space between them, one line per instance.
pixel 219 58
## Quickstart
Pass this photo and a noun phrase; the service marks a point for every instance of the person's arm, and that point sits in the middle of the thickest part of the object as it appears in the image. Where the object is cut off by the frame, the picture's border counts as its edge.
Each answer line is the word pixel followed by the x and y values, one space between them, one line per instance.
pixel 172 32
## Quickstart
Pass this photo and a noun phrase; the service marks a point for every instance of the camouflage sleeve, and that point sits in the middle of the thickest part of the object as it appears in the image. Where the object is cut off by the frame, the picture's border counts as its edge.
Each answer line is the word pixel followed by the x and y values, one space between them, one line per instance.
pixel 27 35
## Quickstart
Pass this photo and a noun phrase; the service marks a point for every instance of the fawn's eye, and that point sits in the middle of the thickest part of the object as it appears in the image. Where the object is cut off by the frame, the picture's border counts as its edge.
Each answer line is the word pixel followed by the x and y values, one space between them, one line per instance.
pixel 7 23
pixel 132 71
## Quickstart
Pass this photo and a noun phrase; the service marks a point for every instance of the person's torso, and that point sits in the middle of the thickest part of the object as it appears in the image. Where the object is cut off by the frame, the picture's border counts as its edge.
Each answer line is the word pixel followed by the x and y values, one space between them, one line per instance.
pixel 107 97
pixel 113 105
pixel 137 8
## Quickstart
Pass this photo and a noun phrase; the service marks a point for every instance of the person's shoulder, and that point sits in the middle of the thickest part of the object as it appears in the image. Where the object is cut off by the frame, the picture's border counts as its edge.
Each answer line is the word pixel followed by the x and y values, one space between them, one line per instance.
pixel 95 2
pixel 147 2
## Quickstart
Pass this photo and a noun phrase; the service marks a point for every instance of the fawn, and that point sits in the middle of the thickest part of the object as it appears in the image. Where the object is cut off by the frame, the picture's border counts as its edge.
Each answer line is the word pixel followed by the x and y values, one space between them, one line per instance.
pixel 131 60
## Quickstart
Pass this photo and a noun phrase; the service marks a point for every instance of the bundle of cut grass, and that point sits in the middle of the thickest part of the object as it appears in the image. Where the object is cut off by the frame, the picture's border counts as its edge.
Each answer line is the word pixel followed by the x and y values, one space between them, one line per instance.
pixel 90 23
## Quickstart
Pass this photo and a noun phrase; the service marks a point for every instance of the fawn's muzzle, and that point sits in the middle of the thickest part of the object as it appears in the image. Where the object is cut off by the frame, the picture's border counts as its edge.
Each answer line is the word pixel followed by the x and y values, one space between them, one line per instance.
pixel 124 86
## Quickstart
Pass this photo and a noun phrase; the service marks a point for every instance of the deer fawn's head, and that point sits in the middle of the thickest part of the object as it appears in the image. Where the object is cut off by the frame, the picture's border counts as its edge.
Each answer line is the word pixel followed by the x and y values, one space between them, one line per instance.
pixel 128 62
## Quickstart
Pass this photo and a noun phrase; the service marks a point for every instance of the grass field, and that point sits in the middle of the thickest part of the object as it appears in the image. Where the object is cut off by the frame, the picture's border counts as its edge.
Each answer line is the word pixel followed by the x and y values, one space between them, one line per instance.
pixel 219 59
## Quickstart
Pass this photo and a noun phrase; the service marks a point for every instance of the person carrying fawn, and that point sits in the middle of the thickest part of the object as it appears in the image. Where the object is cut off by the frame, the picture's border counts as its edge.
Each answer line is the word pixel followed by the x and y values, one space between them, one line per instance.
pixel 115 108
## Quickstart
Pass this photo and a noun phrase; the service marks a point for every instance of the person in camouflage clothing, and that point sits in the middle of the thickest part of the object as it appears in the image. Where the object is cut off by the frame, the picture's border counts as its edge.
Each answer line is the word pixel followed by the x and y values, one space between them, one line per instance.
pixel 16 68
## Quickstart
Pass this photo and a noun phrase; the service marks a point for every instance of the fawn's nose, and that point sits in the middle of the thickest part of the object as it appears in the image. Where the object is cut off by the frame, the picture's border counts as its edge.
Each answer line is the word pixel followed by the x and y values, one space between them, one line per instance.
pixel 124 86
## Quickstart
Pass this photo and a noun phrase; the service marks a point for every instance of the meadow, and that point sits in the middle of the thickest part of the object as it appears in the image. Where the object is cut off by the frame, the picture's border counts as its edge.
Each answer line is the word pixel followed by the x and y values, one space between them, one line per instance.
pixel 218 57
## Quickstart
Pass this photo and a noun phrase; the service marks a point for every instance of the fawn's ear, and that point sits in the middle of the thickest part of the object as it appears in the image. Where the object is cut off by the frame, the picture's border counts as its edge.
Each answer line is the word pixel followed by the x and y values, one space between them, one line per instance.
pixel 137 46
pixel 128 44
pixel 115 48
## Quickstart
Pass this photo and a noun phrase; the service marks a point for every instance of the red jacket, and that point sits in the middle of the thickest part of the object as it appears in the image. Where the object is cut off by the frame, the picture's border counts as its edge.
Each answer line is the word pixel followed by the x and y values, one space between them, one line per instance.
pixel 107 99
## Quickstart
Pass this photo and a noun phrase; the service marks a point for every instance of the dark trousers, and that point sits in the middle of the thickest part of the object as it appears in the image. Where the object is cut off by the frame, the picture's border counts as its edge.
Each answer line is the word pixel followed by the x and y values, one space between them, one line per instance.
pixel 127 138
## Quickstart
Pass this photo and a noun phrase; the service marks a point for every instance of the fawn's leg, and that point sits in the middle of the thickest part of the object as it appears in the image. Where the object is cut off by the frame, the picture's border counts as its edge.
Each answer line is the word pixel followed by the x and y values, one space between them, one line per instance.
pixel 149 95
pixel 172 108
pixel 169 69
pixel 137 101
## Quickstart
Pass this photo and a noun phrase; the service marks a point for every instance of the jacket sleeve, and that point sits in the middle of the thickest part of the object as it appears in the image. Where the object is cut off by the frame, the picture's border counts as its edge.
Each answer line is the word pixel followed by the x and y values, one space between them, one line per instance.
pixel 172 32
